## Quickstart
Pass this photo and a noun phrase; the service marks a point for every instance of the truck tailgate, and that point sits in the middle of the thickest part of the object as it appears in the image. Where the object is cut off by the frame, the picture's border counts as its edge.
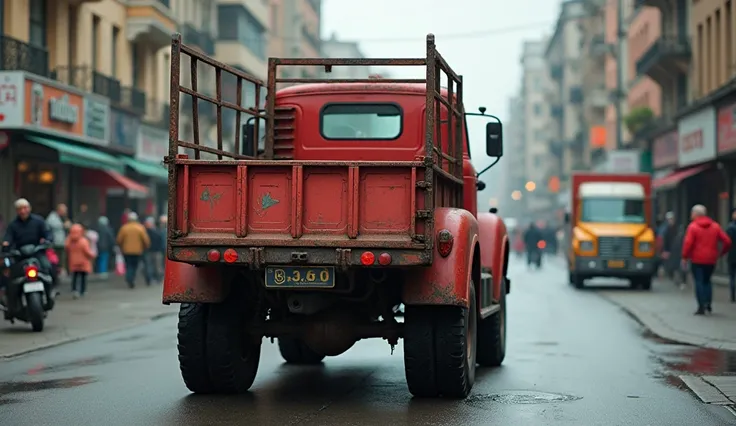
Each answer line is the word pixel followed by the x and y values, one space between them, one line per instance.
pixel 298 203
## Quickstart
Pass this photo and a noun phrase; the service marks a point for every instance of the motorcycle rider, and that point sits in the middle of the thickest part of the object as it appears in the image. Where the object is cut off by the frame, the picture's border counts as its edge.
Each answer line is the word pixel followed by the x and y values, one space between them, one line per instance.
pixel 532 237
pixel 28 228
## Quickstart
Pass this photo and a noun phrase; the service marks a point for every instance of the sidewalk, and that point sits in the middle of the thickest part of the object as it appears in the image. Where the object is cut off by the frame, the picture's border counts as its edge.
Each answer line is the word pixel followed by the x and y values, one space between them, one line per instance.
pixel 668 311
pixel 109 305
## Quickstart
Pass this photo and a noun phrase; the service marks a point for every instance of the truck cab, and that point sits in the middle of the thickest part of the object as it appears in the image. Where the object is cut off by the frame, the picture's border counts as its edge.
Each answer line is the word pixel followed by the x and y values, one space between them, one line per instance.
pixel 610 234
pixel 360 198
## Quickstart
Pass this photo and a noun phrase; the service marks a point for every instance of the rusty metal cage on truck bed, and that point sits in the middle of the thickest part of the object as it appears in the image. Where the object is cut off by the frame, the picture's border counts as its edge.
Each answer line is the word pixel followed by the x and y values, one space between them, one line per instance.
pixel 442 169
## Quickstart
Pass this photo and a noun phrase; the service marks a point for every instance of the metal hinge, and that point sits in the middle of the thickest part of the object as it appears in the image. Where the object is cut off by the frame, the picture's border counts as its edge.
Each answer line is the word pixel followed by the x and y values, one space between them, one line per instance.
pixel 424 214
pixel 424 184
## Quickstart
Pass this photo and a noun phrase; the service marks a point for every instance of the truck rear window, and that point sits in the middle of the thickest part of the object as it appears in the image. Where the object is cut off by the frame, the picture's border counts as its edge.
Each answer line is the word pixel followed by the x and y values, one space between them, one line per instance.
pixel 361 121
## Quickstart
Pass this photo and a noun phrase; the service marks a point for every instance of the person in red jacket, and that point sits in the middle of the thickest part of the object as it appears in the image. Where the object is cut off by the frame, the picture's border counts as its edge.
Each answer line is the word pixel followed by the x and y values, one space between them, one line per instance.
pixel 701 248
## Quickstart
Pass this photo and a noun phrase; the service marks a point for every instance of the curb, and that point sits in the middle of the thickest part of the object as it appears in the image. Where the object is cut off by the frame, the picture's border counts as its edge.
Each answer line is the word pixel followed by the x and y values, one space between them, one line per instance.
pixel 670 335
pixel 14 355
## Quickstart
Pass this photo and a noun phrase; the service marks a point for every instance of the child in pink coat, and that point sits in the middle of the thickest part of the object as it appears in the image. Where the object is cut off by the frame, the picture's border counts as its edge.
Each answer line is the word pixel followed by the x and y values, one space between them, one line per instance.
pixel 79 257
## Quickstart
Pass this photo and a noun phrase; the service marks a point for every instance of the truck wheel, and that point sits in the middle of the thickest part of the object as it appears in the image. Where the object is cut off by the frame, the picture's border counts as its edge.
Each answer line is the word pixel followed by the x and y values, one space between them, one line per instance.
pixel 440 349
pixel 492 335
pixel 643 283
pixel 232 355
pixel 294 351
pixel 578 281
pixel 35 311
pixel 191 336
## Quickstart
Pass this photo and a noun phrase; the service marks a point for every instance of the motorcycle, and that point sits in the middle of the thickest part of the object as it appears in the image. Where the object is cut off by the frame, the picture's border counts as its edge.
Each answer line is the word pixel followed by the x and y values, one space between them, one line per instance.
pixel 25 286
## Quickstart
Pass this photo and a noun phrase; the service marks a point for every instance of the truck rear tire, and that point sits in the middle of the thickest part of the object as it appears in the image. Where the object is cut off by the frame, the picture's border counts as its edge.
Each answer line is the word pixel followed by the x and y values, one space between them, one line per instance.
pixel 215 353
pixel 440 349
pixel 492 335
pixel 577 281
pixel 643 283
pixel 295 351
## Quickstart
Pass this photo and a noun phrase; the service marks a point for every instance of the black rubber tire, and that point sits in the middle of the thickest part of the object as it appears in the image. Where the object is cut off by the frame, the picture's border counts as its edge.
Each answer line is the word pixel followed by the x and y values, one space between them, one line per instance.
pixel 215 356
pixel 232 356
pixel 295 351
pixel 191 336
pixel 643 283
pixel 437 361
pixel 578 281
pixel 492 335
pixel 35 311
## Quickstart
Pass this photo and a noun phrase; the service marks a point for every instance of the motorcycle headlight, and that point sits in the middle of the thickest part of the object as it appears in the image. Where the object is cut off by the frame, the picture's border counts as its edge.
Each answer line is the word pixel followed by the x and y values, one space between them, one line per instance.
pixel 586 246
pixel 645 247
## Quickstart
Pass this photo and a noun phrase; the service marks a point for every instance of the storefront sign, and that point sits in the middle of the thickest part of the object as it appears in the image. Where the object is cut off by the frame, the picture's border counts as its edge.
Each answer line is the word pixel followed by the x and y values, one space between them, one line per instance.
pixel 153 144
pixel 97 120
pixel 620 162
pixel 697 137
pixel 665 150
pixel 51 107
pixel 62 111
pixel 125 128
pixel 727 129
pixel 11 99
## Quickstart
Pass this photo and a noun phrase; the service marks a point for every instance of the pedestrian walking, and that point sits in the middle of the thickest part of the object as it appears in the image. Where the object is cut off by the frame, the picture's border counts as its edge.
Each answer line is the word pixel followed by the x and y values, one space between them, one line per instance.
pixel 731 231
pixel 105 246
pixel 701 248
pixel 133 241
pixel 669 235
pixel 154 251
pixel 80 256
pixel 59 225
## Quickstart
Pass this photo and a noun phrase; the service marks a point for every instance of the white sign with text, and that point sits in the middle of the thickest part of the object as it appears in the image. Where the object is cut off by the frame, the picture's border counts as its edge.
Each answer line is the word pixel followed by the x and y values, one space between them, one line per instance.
pixel 697 137
pixel 12 99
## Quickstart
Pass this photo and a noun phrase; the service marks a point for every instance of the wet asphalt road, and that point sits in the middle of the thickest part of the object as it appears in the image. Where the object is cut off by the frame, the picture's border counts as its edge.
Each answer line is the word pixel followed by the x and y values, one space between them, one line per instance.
pixel 573 359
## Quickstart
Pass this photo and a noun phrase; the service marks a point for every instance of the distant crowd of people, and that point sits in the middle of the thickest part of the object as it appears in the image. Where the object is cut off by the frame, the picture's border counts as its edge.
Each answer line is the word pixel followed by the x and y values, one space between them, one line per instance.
pixel 78 250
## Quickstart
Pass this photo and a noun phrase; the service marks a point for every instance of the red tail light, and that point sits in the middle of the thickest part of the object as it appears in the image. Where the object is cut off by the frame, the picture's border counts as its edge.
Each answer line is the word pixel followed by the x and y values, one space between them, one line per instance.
pixel 445 240
pixel 541 245
pixel 213 255
pixel 231 256
pixel 384 259
pixel 31 272
pixel 367 258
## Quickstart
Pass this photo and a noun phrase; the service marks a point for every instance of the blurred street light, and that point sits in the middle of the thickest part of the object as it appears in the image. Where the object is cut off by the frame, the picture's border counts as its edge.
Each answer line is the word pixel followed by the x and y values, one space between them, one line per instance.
pixel 530 186
pixel 516 195
pixel 493 202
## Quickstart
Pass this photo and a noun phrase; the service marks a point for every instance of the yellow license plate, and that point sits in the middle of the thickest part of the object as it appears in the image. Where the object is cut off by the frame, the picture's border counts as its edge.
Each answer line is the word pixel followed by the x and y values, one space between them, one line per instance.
pixel 300 277
pixel 616 263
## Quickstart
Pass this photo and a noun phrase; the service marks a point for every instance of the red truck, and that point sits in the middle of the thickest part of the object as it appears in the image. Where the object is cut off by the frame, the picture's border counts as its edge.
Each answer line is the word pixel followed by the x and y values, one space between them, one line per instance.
pixel 361 198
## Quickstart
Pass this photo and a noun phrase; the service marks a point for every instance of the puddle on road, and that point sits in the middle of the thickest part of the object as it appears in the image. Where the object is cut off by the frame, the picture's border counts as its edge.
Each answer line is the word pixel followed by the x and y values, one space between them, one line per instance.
pixel 519 397
pixel 12 388
pixel 79 363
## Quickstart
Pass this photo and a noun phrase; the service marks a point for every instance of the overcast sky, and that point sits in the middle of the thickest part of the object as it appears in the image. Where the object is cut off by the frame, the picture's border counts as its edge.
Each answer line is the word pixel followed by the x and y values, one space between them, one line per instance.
pixel 483 44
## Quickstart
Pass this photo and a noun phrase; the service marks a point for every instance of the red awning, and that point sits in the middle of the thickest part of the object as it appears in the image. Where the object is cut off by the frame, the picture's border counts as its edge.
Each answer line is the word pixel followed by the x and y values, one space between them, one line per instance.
pixel 674 178
pixel 111 179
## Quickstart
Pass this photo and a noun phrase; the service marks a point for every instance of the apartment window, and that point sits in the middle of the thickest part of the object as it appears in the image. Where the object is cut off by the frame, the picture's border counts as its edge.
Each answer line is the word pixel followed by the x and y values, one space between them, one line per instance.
pixel 237 24
pixel 537 109
pixel 717 57
pixel 37 23
pixel 701 61
pixel 95 42
pixel 115 36
pixel 728 41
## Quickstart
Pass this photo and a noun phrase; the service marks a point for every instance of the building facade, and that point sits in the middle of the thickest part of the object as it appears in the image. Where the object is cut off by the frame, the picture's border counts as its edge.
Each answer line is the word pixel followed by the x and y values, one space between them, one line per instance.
pixel 514 174
pixel 295 33
pixel 335 48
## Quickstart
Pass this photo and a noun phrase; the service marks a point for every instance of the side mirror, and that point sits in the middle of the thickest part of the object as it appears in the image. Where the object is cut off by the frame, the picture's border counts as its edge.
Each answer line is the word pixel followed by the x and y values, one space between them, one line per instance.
pixel 493 210
pixel 494 139
pixel 480 185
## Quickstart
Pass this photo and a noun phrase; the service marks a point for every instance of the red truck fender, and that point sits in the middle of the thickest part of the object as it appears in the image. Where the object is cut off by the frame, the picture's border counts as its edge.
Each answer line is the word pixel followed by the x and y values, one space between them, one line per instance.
pixel 185 283
pixel 495 254
pixel 446 281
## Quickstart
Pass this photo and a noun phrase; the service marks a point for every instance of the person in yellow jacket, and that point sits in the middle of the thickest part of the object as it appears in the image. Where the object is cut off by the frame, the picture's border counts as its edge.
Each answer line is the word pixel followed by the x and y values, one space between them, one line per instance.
pixel 133 242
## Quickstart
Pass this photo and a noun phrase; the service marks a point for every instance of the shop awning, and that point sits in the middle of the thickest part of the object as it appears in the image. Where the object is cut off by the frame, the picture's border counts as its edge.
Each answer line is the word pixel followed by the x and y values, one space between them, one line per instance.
pixel 80 156
pixel 112 179
pixel 153 170
pixel 674 178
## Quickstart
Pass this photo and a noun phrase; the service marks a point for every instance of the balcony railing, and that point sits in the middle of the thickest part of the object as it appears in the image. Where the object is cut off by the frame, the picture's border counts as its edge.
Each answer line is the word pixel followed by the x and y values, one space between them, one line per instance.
pixel 133 99
pixel 107 86
pixel 16 55
pixel 556 111
pixel 203 40
pixel 576 95
pixel 664 48
pixel 77 76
